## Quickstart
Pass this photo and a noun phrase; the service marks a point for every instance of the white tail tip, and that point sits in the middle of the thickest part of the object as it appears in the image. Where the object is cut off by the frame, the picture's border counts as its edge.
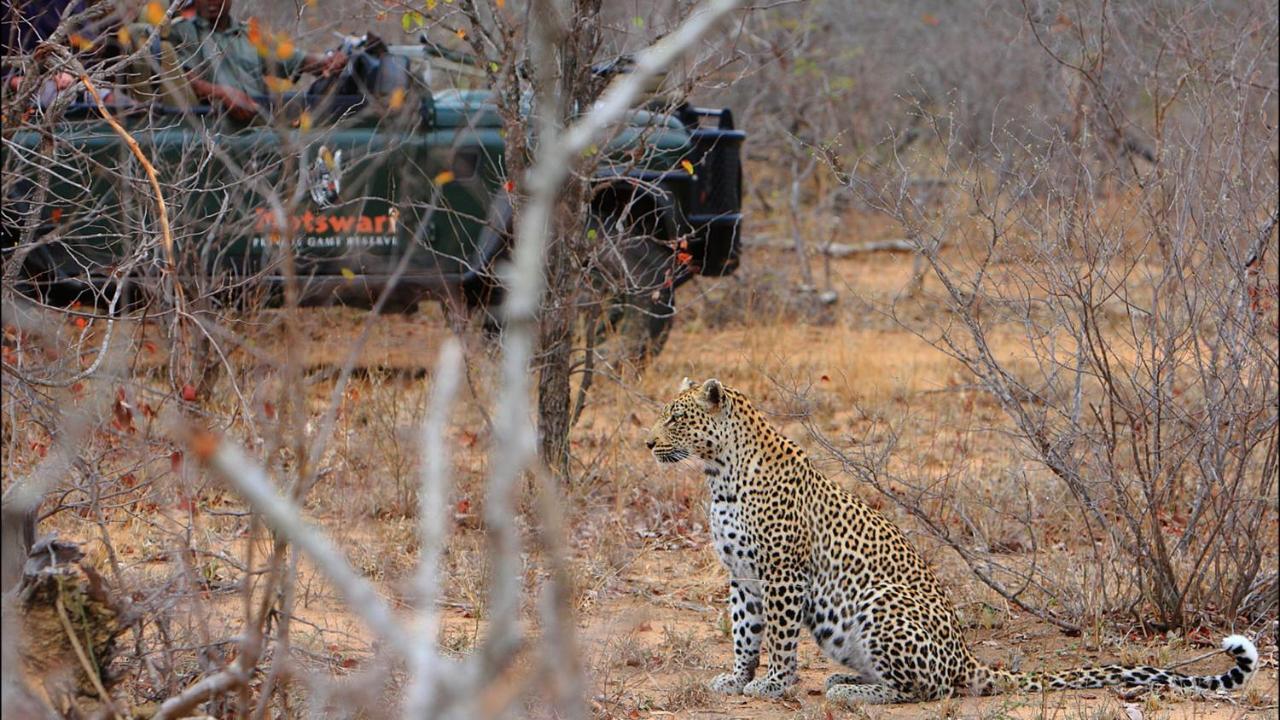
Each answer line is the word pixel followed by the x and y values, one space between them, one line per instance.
pixel 1240 646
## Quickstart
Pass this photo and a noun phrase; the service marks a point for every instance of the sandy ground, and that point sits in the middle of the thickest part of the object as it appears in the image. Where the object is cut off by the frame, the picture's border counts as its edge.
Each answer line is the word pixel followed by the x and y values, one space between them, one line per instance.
pixel 651 618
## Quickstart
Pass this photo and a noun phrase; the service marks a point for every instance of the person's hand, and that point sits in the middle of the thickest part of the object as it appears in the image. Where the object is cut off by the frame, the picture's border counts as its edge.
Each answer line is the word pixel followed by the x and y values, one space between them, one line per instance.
pixel 332 63
pixel 238 103
pixel 374 45
pixel 61 81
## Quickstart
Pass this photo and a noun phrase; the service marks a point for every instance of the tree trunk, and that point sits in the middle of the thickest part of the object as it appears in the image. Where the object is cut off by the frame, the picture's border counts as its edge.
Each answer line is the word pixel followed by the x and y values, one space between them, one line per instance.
pixel 565 250
pixel 555 345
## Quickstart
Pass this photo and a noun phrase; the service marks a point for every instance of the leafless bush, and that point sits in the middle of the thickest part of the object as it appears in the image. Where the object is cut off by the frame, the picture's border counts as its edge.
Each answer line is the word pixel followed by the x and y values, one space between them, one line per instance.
pixel 121 444
pixel 1120 312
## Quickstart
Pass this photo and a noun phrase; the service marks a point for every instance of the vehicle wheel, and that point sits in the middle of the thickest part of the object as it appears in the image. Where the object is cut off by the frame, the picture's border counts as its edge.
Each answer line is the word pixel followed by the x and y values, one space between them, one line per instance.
pixel 635 327
pixel 639 308
pixel 630 322
pixel 33 279
pixel 39 280
pixel 484 298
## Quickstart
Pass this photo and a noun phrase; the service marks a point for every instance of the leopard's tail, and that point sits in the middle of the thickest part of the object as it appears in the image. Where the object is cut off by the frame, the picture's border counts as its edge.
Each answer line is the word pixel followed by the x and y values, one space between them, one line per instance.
pixel 984 680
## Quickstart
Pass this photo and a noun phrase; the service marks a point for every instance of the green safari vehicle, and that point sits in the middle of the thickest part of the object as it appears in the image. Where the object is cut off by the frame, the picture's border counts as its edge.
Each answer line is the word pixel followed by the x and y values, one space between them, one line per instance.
pixel 379 184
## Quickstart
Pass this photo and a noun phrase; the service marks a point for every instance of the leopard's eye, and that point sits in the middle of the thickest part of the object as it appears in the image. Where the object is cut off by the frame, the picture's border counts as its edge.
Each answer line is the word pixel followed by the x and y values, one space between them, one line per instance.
pixel 677 414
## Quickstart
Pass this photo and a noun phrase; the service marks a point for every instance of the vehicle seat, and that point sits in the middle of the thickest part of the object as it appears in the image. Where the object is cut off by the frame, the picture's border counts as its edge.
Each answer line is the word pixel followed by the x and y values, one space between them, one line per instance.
pixel 392 74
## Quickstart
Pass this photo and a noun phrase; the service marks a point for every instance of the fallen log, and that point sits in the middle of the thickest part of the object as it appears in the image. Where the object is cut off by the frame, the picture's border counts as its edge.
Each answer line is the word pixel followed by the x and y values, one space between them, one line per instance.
pixel 837 250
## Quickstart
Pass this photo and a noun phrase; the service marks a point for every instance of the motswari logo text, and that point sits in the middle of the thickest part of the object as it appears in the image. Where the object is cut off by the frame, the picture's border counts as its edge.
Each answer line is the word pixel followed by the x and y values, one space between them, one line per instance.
pixel 328 230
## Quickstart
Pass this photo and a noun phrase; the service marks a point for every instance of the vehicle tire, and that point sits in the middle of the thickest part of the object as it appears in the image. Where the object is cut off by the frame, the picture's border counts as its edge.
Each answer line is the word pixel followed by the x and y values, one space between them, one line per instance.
pixel 636 310
pixel 637 325
pixel 40 280
pixel 484 298
pixel 639 305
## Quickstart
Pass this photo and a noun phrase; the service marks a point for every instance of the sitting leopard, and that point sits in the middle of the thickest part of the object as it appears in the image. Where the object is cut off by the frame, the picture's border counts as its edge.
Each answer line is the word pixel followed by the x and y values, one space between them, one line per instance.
pixel 804 554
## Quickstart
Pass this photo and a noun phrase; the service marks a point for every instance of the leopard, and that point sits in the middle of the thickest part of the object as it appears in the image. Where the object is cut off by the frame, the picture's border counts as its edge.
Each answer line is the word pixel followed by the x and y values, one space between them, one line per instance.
pixel 807 555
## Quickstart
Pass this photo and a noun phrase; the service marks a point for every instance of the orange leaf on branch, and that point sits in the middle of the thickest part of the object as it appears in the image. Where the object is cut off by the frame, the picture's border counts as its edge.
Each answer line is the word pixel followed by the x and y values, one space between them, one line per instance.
pixel 154 13
pixel 204 444
pixel 255 36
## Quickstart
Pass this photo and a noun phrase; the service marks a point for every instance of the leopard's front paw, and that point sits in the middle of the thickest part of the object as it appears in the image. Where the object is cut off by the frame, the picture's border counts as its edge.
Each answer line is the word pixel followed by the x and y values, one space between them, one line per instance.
pixel 727 684
pixel 767 687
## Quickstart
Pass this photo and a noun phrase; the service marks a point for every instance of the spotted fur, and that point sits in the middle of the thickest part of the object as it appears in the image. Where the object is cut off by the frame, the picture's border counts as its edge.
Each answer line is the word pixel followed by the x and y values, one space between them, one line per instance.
pixel 804 555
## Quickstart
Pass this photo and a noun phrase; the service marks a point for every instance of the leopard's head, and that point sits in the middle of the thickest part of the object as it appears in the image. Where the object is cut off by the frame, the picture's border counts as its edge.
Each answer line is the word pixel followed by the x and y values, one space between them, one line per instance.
pixel 691 424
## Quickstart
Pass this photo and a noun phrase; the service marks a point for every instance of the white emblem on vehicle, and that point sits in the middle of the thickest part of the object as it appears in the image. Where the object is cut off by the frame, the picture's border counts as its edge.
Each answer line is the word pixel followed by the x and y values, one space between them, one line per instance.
pixel 325 180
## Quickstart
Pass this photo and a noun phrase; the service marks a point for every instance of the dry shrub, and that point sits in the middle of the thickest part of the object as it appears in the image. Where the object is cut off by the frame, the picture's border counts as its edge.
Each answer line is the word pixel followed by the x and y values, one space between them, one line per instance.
pixel 1136 287
pixel 376 443
pixel 682 648
pixel 690 691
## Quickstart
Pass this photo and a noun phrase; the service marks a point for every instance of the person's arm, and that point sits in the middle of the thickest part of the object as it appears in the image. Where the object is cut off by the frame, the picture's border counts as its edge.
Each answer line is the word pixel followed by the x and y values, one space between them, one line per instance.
pixel 186 42
pixel 61 81
pixel 237 102
pixel 323 64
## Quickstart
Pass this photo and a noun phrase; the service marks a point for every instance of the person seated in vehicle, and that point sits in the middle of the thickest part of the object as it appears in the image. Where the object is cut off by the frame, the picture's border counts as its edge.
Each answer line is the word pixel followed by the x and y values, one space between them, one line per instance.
pixel 228 67
pixel 85 27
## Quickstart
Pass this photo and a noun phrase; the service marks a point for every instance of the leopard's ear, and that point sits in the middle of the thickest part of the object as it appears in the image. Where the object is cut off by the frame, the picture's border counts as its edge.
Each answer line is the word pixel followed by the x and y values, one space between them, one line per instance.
pixel 712 393
pixel 686 384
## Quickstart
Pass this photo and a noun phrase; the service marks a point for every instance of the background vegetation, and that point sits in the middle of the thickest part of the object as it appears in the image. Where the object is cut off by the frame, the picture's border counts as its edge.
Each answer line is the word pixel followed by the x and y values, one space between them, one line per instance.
pixel 1011 275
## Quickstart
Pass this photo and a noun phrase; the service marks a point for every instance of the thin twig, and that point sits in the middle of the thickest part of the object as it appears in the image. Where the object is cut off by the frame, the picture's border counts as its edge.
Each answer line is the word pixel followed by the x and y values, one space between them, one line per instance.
pixel 229 462
pixel 1196 659
pixel 89 669
pixel 166 233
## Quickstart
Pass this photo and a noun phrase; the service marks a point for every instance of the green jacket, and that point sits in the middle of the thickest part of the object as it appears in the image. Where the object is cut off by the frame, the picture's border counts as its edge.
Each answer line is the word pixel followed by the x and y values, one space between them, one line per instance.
pixel 228 57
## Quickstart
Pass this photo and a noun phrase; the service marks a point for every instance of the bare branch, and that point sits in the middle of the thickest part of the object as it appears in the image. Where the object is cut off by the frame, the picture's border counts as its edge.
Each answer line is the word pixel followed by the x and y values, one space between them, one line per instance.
pixel 230 463
pixel 184 703
pixel 433 525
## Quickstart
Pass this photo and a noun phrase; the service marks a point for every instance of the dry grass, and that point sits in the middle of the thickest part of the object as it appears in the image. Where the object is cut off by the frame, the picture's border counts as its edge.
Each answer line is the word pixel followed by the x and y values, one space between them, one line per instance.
pixel 647 590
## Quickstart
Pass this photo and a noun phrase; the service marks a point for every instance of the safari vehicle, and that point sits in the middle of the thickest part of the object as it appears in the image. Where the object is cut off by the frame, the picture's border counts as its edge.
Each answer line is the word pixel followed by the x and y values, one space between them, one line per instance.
pixel 384 186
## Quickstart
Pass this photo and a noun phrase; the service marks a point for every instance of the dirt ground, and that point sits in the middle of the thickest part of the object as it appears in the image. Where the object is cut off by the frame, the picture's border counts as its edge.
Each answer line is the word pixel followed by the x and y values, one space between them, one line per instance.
pixel 649 591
